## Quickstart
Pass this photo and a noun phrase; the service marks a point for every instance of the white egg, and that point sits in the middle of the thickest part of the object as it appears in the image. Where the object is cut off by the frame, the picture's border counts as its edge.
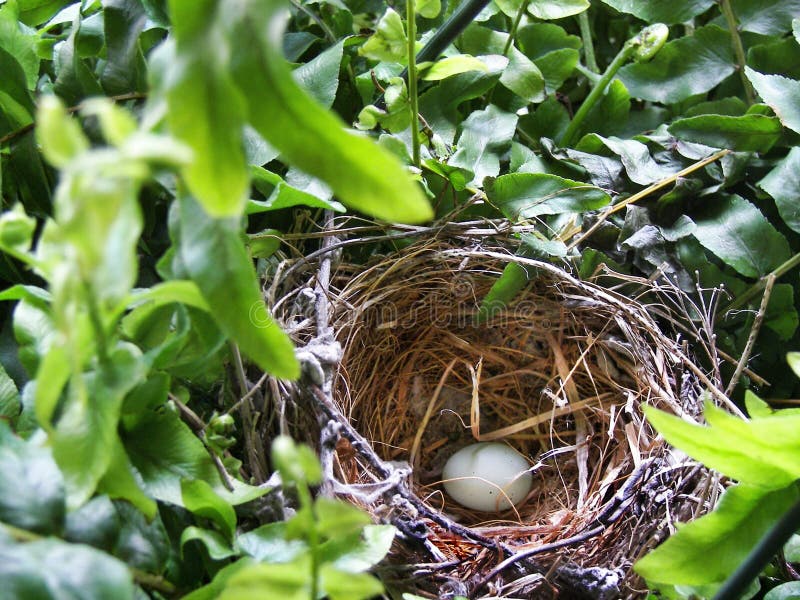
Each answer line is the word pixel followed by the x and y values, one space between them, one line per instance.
pixel 486 476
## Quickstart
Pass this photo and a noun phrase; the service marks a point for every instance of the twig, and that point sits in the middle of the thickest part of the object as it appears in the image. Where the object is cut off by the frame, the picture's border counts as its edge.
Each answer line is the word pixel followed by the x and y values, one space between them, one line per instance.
pixel 738 49
pixel 751 339
pixel 255 449
pixel 253 391
pixel 646 192
pixel 588 44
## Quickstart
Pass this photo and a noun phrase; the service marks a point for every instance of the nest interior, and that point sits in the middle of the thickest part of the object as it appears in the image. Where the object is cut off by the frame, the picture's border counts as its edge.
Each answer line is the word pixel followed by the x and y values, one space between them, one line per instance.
pixel 560 374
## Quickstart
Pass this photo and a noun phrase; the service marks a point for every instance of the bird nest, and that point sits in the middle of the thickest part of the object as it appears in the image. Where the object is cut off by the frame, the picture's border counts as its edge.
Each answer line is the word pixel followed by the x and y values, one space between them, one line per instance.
pixel 560 374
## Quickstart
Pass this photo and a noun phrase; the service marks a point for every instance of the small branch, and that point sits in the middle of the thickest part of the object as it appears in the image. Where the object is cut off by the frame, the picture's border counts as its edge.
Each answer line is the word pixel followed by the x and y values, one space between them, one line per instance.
pixel 411 24
pixel 255 449
pixel 512 34
pixel 646 192
pixel 759 285
pixel 253 391
pixel 738 49
pixel 751 339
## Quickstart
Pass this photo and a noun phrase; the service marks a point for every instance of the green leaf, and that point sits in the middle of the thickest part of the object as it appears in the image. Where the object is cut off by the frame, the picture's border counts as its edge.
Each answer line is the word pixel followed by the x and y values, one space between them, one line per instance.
pixel 635 157
pixel 120 482
pixel 199 497
pixel 31 486
pixel 738 233
pixel 205 110
pixel 361 551
pixel 18 43
pixel 320 76
pixel 216 544
pixel 75 80
pixel 124 70
pixel 16 231
pixel 611 114
pixel 288 581
pixel 268 543
pixel 781 315
pixel 793 359
pixel 336 518
pixel 282 195
pixel 748 133
pixel 528 195
pixel 341 585
pixel 36 12
pixel 364 176
pixel 428 9
pixel 59 134
pixel 85 434
pixel 784 591
pixel 213 589
pixel 10 403
pixel 51 568
pixel 452 65
pixel 557 9
pixel 552 50
pixel 167 292
pixel 767 17
pixel 781 94
pixel 485 136
pixel 388 43
pixel 683 67
pixel 296 462
pixel 214 254
pixel 754 452
pixel 709 549
pixel 670 13
pixel 513 280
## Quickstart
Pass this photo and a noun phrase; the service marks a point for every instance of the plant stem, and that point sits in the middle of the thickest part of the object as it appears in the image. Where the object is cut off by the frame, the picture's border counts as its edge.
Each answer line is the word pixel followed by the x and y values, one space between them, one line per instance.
pixel 755 289
pixel 588 45
pixel 307 503
pixel 513 31
pixel 574 126
pixel 738 49
pixel 412 81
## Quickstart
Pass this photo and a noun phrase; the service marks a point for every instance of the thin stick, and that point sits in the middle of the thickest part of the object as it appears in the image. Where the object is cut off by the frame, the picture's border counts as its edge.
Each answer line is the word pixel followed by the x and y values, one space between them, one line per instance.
pixel 738 49
pixel 646 192
pixel 751 339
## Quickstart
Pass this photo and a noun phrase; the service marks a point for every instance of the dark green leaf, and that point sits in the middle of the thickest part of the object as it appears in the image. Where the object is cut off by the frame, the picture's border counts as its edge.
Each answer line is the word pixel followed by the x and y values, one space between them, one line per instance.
pixel 782 95
pixel 528 195
pixel 486 135
pixel 199 498
pixel 31 486
pixel 96 524
pixel 748 133
pixel 143 541
pixel 513 280
pixel 781 316
pixel 36 12
pixel 51 568
pixel 75 80
pixel 124 71
pixel 776 57
pixel 16 104
pixel 738 233
pixel 552 50
pixel 18 43
pixel 363 175
pixel 709 549
pixel 783 184
pixel 683 67
pixel 215 256
pixel 635 157
pixel 206 110
pixel 320 77
pixel 670 13
pixel 120 482
pixel 767 17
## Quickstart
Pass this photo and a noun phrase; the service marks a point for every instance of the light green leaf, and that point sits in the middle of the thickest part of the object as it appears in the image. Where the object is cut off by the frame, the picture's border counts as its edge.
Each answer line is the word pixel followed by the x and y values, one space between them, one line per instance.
pixel 120 482
pixel 796 29
pixel 486 134
pixel 709 549
pixel 453 65
pixel 86 432
pixel 782 95
pixel 59 134
pixel 51 568
pixel 364 176
pixel 205 110
pixel 341 585
pixel 287 581
pixel 214 254
pixel 16 232
pixel 117 124
pixel 359 552
pixel 388 43
pixel 741 236
pixel 217 546
pixel 320 76
pixel 528 195
pixel 199 498
pixel 784 591
pixel 36 12
pixel 10 403
pixel 428 9
pixel 282 195
pixel 793 359
pixel 754 452
pixel 684 67
pixel 268 543
pixel 748 133
pixel 767 17
pixel 31 486
pixel 557 9
pixel 167 292
pixel 670 13
pixel 336 518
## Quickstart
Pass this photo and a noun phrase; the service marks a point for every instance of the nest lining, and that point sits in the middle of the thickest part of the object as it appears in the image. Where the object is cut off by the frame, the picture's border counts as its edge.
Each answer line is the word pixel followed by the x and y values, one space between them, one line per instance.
pixel 560 374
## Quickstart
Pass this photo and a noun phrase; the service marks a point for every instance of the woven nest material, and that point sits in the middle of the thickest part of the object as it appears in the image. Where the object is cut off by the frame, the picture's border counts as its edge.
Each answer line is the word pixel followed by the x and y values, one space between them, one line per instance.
pixel 560 374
